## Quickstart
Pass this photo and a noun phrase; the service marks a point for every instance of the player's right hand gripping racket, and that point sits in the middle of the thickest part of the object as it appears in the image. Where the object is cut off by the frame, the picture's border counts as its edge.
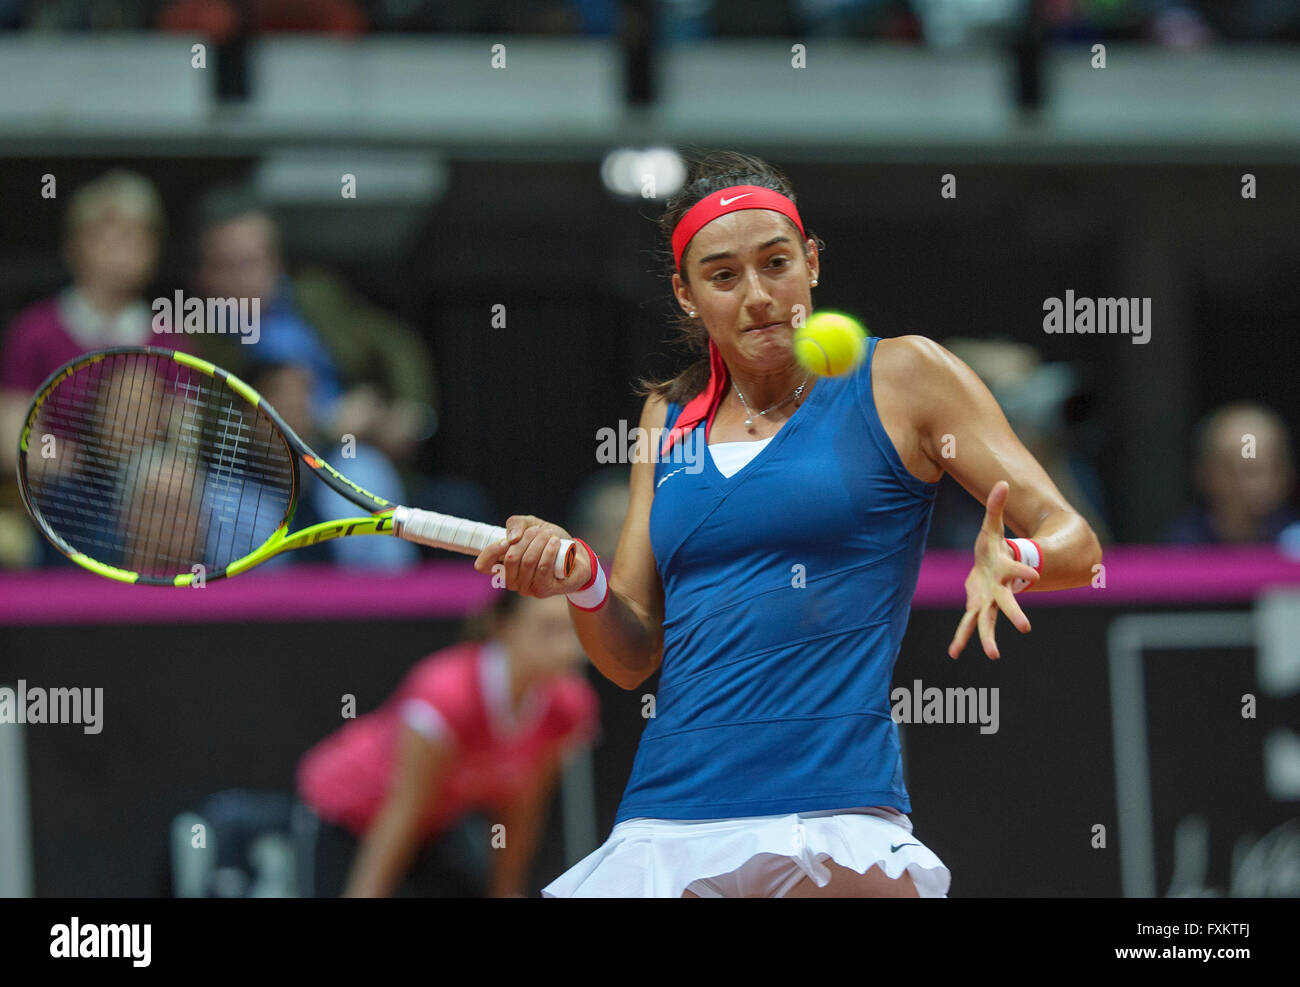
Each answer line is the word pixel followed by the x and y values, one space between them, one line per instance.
pixel 152 466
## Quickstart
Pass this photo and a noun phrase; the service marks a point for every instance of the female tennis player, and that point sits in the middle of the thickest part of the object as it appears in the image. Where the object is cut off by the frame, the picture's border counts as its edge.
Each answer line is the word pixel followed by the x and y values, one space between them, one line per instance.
pixel 484 725
pixel 772 573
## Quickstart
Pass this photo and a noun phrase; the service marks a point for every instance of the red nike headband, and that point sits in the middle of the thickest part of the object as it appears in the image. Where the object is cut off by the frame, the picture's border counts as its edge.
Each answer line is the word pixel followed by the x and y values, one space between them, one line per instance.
pixel 731 199
pixel 704 405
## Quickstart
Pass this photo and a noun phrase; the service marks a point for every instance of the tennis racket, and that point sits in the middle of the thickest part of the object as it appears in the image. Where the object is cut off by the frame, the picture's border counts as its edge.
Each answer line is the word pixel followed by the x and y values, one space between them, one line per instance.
pixel 152 466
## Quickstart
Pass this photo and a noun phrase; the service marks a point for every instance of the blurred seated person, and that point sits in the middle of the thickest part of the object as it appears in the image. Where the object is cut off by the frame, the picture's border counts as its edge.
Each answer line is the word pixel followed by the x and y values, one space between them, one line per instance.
pixel 485 725
pixel 374 375
pixel 112 236
pixel 288 388
pixel 1170 23
pixel 1033 397
pixel 885 19
pixel 239 258
pixel 223 20
pixel 1244 478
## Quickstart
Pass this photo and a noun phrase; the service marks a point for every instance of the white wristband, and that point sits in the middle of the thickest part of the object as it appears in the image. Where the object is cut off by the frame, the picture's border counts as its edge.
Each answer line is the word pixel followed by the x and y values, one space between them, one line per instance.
pixel 592 596
pixel 1030 554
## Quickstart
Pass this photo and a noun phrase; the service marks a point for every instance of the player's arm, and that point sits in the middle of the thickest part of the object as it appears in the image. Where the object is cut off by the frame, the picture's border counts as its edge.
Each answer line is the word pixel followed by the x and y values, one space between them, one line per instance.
pixel 949 400
pixel 524 818
pixel 624 638
pixel 394 837
pixel 962 431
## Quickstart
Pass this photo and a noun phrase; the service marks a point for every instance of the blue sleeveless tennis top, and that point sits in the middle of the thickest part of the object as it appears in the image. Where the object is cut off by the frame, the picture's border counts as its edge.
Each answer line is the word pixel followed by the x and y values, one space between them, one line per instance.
pixel 786 594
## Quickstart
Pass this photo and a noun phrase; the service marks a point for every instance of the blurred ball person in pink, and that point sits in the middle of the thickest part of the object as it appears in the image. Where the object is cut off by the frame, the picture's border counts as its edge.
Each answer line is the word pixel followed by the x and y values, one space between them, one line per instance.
pixel 485 725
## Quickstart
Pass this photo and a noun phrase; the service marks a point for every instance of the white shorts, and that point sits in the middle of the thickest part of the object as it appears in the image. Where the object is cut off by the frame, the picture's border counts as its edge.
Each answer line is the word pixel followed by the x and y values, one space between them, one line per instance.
pixel 755 856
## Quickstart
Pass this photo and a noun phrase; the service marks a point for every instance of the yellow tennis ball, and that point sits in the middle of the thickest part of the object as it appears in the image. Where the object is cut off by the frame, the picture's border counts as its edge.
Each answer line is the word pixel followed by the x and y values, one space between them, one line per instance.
pixel 830 343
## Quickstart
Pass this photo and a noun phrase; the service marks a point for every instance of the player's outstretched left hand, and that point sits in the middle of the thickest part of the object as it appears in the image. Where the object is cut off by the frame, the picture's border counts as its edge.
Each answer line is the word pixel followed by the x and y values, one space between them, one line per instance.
pixel 988 587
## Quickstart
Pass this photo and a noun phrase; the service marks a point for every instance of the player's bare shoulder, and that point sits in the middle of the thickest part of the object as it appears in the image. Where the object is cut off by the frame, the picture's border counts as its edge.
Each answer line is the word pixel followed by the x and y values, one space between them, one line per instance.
pixel 654 412
pixel 911 360
pixel 914 371
pixel 910 376
pixel 649 436
pixel 634 575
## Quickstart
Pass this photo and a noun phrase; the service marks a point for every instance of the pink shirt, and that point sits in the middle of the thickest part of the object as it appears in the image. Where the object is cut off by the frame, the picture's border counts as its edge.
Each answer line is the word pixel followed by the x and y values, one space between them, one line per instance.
pixel 46 335
pixel 459 696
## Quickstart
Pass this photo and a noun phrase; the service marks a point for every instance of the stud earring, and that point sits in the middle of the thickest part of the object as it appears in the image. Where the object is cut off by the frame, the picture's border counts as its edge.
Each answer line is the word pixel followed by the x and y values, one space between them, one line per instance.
pixel 814 282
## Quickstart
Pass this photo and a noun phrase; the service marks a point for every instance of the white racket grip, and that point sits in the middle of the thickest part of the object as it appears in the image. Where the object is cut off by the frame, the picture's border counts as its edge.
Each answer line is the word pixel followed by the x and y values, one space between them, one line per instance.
pixel 467 537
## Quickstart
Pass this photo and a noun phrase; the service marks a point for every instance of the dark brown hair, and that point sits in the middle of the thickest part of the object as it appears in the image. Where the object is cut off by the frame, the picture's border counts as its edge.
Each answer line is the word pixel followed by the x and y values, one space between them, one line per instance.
pixel 482 624
pixel 709 172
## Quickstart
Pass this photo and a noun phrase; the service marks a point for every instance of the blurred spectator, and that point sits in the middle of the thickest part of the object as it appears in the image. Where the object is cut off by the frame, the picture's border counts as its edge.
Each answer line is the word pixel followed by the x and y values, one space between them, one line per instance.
pixel 368 344
pixel 894 20
pixel 223 19
pixel 84 15
pixel 1033 396
pixel 1179 25
pixel 288 389
pixel 239 257
pixel 942 23
pixel 1169 23
pixel 373 374
pixel 1245 479
pixel 113 233
pixel 484 725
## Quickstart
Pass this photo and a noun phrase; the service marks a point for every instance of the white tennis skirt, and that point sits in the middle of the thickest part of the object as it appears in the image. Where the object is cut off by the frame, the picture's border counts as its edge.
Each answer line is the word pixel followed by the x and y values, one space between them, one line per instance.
pixel 751 857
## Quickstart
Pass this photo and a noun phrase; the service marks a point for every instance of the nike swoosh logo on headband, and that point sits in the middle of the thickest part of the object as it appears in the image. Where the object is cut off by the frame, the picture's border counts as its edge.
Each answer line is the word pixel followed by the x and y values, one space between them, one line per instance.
pixel 727 202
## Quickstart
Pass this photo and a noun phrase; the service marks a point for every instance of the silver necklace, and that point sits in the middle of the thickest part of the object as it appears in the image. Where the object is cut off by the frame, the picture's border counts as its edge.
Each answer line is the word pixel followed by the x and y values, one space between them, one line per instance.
pixel 749 418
